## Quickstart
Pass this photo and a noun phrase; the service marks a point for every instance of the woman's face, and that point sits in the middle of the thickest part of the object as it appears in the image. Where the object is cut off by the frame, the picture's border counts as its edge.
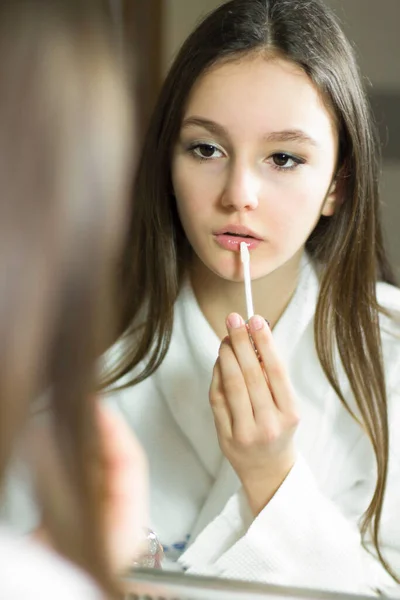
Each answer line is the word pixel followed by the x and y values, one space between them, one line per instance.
pixel 255 162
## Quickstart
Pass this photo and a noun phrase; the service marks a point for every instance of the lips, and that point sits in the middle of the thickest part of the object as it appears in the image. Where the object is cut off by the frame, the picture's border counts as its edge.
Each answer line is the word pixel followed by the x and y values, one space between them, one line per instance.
pixel 238 231
pixel 232 236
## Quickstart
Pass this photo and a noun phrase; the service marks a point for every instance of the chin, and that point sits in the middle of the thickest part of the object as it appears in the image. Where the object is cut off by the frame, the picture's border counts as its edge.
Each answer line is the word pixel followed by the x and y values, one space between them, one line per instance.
pixel 227 270
pixel 258 272
pixel 229 267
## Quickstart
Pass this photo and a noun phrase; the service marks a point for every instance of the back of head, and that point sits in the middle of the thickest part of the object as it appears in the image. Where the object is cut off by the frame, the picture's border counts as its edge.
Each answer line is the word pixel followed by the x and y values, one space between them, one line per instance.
pixel 64 160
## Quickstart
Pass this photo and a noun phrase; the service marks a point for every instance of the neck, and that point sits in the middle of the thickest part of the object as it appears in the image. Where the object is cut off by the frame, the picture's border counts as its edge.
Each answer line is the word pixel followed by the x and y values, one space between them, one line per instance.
pixel 218 297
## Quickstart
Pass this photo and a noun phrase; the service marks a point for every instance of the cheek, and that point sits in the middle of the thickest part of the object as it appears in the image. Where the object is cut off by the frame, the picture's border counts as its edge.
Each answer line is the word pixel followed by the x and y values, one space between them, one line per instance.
pixel 190 204
pixel 295 207
pixel 191 191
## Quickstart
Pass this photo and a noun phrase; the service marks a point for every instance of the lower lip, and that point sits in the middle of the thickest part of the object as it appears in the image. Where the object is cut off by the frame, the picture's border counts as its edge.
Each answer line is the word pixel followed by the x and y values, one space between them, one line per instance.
pixel 232 243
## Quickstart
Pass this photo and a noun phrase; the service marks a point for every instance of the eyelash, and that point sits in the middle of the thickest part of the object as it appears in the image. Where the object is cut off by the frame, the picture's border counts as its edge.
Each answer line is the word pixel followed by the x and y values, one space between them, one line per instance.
pixel 296 160
pixel 196 145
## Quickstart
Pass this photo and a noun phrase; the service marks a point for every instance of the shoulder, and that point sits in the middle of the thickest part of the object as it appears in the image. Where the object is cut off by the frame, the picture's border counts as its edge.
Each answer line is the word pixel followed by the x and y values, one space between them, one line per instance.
pixel 389 300
pixel 388 297
pixel 28 571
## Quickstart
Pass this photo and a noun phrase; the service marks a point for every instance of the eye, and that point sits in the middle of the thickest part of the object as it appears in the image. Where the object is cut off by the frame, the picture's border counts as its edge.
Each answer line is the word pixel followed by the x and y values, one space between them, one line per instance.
pixel 206 151
pixel 285 162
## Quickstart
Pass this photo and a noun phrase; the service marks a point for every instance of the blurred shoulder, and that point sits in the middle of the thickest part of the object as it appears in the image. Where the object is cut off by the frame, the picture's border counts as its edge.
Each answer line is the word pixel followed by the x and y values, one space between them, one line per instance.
pixel 28 571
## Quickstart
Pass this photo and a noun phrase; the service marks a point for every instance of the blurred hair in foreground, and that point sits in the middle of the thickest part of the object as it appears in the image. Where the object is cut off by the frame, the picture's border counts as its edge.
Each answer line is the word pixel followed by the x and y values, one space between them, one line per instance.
pixel 65 164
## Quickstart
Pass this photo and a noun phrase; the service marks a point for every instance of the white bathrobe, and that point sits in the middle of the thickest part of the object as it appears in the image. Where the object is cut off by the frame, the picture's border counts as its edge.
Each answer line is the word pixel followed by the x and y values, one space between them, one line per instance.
pixel 308 534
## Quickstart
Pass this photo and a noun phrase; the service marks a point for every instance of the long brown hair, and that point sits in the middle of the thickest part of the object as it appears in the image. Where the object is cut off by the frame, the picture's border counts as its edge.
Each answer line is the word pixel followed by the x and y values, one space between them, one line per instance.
pixel 65 136
pixel 348 246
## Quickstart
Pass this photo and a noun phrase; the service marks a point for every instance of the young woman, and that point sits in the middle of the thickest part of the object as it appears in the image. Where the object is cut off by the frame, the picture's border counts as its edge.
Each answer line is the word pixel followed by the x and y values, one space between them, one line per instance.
pixel 263 134
pixel 65 161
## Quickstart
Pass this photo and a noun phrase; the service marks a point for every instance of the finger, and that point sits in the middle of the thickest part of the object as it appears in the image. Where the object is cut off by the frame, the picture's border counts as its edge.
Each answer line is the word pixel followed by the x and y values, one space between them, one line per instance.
pixel 127 487
pixel 120 447
pixel 125 461
pixel 235 389
pixel 253 372
pixel 279 382
pixel 219 406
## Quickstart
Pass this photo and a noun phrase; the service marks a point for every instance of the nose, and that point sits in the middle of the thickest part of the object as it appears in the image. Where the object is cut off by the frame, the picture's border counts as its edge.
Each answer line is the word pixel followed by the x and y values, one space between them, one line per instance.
pixel 242 188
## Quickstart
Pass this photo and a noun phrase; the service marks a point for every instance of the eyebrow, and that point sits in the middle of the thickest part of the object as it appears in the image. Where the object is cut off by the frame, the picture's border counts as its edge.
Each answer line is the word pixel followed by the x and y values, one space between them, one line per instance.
pixel 289 135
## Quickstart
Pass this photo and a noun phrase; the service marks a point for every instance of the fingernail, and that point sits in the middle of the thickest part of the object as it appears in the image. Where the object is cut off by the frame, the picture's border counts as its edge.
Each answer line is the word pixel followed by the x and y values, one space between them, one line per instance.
pixel 234 321
pixel 268 323
pixel 257 323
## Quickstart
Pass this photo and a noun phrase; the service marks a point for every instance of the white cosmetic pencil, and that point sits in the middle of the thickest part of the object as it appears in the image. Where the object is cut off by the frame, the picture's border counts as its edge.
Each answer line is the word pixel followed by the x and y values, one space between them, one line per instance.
pixel 245 256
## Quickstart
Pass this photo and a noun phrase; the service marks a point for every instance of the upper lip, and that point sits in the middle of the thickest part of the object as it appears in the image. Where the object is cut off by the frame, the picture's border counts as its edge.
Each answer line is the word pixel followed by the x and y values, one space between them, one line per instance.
pixel 238 230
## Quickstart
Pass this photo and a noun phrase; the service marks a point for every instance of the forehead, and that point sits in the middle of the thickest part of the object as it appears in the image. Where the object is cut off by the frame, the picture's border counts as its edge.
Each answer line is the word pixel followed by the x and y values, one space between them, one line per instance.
pixel 260 94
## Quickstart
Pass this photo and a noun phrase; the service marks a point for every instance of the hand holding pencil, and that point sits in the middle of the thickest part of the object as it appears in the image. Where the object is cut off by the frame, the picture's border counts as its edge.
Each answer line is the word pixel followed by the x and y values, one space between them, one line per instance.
pixel 254 404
